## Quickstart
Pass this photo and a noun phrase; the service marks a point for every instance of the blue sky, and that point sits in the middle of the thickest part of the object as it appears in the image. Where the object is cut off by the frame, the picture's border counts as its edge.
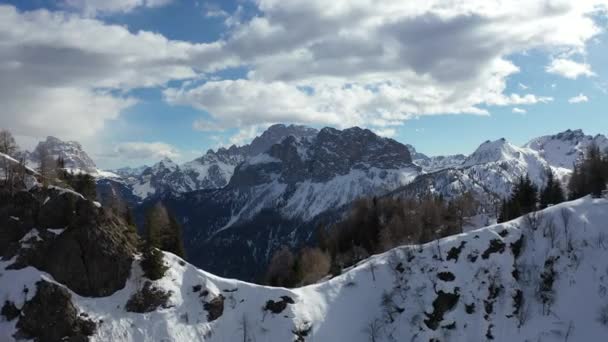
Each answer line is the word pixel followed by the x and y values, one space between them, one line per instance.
pixel 212 73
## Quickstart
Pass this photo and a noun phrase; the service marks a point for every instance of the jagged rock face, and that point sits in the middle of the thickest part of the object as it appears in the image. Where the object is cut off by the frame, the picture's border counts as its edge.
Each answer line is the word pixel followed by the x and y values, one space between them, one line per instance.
pixel 70 151
pixel 69 237
pixel 211 171
pixel 275 134
pixel 50 316
pixel 331 153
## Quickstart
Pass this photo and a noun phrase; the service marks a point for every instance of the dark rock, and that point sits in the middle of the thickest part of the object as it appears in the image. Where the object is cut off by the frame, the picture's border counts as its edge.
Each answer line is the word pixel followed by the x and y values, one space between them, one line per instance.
pixel 443 303
pixel 214 308
pixel 50 316
pixel 496 246
pixel 148 299
pixel 446 276
pixel 279 306
pixel 517 246
pixel 92 256
pixel 197 288
pixel 10 311
pixel 454 252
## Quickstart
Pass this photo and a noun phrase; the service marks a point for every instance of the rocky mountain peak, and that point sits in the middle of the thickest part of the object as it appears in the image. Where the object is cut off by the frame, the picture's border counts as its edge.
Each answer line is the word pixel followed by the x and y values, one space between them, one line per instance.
pixel 563 149
pixel 70 151
pixel 275 133
pixel 331 153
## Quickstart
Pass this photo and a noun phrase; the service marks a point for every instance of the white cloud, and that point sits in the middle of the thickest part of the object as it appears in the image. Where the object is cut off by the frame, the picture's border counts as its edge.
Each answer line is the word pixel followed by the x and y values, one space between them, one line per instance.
pixel 578 99
pixel 523 86
pixel 64 75
pixel 105 7
pixel 146 150
pixel 569 68
pixel 379 63
pixel 519 110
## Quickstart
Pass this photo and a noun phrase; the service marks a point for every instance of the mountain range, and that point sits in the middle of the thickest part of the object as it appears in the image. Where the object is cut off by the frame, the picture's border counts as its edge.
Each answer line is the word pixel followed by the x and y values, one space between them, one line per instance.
pixel 238 205
pixel 520 280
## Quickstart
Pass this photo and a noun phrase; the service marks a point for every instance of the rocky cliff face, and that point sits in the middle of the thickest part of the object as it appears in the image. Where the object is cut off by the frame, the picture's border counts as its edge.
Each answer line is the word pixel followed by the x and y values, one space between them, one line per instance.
pixel 71 238
pixel 212 170
pixel 70 151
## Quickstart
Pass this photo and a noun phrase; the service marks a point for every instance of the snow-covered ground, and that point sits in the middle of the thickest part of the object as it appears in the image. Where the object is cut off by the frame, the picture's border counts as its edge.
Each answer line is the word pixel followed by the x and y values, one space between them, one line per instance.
pixel 478 286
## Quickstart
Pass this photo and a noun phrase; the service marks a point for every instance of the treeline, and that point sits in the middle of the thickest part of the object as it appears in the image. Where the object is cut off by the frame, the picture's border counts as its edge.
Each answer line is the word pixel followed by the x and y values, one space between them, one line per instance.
pixel 373 226
pixel 589 177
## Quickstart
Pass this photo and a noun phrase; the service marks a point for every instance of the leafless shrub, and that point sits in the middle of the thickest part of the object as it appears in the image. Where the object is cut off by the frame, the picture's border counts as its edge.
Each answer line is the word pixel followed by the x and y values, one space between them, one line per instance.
pixel 550 232
pixel 244 327
pixel 373 330
pixel 603 315
pixel 372 269
pixel 566 216
pixel 534 220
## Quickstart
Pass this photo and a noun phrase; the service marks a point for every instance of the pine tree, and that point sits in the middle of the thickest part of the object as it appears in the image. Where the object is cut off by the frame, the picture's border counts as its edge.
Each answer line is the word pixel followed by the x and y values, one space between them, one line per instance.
pixel 552 193
pixel 590 175
pixel 152 262
pixel 175 243
pixel 523 200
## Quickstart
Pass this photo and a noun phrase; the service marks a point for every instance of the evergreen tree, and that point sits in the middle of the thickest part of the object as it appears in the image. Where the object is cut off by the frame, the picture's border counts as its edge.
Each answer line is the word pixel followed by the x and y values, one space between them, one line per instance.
pixel 523 200
pixel 175 242
pixel 152 262
pixel 590 175
pixel 552 193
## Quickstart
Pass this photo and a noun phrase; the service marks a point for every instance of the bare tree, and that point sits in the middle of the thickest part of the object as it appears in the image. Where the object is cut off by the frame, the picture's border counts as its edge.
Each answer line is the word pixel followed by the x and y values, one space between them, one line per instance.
pixel 373 330
pixel 314 264
pixel 244 327
pixel 566 216
pixel 47 167
pixel 534 220
pixel 550 232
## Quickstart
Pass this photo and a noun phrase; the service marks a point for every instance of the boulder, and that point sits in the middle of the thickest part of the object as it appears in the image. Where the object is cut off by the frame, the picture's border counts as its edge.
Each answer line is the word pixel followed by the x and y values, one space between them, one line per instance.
pixel 50 316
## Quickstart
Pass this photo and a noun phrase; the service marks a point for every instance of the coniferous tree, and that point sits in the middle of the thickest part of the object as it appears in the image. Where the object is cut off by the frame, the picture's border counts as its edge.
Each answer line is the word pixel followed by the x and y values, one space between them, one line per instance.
pixel 523 200
pixel 552 193
pixel 152 262
pixel 175 242
pixel 590 175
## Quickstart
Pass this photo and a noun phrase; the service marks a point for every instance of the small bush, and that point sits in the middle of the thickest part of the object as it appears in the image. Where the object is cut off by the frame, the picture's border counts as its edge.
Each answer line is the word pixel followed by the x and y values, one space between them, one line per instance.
pixel 152 263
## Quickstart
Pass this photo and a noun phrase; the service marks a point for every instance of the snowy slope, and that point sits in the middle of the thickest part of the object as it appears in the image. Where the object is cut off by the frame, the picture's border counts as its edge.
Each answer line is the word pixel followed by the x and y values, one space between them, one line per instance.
pixel 505 282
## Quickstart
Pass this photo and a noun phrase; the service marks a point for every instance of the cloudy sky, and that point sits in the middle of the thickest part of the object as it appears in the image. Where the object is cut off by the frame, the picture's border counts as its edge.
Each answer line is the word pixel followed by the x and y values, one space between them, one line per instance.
pixel 136 80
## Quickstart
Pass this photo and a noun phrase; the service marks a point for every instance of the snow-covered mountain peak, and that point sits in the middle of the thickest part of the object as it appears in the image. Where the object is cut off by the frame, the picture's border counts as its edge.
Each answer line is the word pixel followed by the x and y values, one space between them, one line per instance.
pixel 494 151
pixel 70 151
pixel 562 150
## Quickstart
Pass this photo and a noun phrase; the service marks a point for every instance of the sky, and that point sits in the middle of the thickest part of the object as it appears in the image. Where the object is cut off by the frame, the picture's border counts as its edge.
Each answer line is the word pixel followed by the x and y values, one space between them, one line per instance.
pixel 138 80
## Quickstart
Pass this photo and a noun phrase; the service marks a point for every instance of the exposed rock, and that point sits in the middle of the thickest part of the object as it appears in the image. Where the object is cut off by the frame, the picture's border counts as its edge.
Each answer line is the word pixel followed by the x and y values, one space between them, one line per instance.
pixel 148 299
pixel 70 151
pixel 496 246
pixel 10 311
pixel 446 276
pixel 50 316
pixel 443 303
pixel 214 308
pixel 92 256
pixel 279 306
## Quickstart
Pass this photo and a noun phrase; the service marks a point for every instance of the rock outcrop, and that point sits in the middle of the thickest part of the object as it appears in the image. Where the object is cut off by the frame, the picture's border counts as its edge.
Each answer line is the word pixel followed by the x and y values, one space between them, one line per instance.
pixel 50 316
pixel 71 238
